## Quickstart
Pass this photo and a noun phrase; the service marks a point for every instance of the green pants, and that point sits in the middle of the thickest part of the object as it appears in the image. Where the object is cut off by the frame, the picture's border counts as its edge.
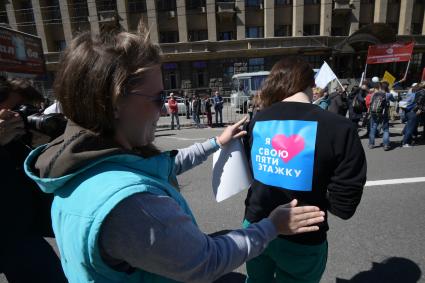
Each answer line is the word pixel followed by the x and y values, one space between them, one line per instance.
pixel 287 262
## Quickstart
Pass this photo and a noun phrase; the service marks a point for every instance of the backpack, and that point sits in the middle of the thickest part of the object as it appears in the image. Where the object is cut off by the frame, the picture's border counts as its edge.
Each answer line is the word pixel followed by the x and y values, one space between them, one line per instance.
pixel 357 105
pixel 420 100
pixel 324 103
pixel 378 104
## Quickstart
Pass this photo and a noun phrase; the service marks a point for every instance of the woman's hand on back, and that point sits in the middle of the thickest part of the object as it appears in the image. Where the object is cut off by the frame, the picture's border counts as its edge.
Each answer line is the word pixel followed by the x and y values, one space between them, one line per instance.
pixel 290 219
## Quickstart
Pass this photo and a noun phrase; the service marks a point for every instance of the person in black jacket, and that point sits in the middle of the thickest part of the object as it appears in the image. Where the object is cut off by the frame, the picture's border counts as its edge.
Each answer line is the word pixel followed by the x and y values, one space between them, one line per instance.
pixel 357 104
pixel 196 110
pixel 25 256
pixel 338 102
pixel 297 150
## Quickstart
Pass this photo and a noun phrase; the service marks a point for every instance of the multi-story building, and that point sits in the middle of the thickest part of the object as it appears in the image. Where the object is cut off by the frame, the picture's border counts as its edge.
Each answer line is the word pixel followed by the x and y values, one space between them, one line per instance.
pixel 205 42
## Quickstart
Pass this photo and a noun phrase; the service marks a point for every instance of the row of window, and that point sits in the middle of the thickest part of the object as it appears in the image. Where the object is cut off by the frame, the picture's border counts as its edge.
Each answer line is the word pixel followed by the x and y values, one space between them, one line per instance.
pixel 282 30
pixel 258 32
pixel 193 35
pixel 79 11
pixel 170 5
pixel 257 3
pixel 199 35
pixel 200 72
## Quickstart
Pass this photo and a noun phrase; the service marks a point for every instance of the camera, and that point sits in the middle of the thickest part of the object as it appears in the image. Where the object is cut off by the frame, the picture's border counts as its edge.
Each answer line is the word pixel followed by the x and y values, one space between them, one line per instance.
pixel 52 125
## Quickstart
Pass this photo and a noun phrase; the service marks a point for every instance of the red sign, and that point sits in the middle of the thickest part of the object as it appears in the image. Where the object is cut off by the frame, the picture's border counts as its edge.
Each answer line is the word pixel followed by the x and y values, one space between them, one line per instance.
pixel 20 53
pixel 388 53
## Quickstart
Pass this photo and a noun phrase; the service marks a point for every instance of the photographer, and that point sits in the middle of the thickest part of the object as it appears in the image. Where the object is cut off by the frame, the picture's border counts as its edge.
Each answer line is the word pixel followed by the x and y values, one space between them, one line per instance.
pixel 25 256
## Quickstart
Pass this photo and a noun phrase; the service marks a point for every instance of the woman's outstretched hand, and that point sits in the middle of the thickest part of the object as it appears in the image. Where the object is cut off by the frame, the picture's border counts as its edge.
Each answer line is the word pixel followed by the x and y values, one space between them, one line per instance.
pixel 232 132
pixel 290 219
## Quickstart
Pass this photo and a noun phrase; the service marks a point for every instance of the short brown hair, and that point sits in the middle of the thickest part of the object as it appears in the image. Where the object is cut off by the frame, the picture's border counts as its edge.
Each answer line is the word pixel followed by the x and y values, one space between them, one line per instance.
pixel 288 76
pixel 22 87
pixel 93 73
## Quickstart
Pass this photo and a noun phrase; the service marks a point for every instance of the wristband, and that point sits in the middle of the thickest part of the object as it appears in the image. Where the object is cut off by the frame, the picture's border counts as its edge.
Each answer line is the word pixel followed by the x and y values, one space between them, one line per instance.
pixel 214 141
pixel 218 143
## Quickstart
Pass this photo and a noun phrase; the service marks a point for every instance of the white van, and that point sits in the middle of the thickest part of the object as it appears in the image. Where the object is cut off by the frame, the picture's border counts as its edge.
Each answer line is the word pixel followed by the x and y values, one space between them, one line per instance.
pixel 244 86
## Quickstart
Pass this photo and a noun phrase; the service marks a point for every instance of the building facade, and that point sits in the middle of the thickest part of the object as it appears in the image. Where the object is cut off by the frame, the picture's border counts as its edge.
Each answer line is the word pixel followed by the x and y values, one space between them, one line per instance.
pixel 205 42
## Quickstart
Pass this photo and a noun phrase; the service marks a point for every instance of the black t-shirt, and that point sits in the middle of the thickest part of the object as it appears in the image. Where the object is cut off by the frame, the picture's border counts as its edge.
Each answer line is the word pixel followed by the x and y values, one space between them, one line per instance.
pixel 298 150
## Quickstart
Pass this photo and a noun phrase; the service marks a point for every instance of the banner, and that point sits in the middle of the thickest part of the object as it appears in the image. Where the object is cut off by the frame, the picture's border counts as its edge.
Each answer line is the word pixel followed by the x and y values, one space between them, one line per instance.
pixel 20 53
pixel 324 76
pixel 390 79
pixel 423 74
pixel 387 53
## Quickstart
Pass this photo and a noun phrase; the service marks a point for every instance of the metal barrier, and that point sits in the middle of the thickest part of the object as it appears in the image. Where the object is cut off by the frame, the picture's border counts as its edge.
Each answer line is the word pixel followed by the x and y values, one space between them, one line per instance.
pixel 234 109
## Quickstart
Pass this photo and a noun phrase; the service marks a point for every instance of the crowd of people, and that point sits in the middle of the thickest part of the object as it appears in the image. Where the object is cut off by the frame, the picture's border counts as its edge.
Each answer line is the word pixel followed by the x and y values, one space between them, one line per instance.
pixel 374 105
pixel 195 107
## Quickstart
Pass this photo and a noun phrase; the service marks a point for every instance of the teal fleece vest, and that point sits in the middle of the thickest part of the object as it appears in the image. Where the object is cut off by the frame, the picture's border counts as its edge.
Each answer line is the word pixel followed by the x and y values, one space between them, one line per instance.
pixel 84 199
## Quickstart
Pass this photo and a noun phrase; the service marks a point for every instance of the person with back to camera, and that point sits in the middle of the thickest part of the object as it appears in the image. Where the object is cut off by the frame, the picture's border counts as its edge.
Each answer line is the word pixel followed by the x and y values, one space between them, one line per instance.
pixel 117 213
pixel 379 110
pixel 297 150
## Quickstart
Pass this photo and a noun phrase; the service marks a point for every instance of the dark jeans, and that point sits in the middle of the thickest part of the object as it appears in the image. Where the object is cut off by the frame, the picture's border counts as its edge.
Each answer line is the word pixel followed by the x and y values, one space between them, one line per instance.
pixel 219 111
pixel 30 259
pixel 196 119
pixel 410 128
pixel 374 121
pixel 209 118
pixel 176 115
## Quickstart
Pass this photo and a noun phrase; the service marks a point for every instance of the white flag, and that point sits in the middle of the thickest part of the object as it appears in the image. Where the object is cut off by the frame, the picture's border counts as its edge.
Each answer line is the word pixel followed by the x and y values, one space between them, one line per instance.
pixel 324 76
pixel 361 80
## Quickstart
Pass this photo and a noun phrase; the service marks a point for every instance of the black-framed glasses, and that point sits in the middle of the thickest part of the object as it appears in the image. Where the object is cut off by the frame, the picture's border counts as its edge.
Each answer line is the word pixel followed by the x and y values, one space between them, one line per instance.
pixel 159 99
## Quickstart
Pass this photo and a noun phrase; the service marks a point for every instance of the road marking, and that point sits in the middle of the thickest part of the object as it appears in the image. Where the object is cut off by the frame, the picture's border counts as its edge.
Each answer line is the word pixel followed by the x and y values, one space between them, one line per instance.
pixel 395 181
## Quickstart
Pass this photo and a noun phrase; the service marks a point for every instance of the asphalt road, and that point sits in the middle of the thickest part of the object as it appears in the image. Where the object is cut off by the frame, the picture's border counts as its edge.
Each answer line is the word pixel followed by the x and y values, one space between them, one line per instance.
pixel 383 242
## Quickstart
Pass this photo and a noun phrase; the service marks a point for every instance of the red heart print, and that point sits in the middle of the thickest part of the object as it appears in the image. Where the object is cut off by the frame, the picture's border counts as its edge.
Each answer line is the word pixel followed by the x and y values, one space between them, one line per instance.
pixel 288 147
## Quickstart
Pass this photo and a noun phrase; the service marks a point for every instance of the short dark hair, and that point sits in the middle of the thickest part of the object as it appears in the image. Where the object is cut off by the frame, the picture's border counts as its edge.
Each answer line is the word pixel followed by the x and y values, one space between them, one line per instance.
pixel 288 76
pixel 94 71
pixel 19 86
pixel 384 85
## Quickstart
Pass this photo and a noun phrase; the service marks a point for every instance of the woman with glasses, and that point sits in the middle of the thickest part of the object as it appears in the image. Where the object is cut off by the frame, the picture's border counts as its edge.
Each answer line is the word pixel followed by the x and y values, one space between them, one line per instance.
pixel 117 214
